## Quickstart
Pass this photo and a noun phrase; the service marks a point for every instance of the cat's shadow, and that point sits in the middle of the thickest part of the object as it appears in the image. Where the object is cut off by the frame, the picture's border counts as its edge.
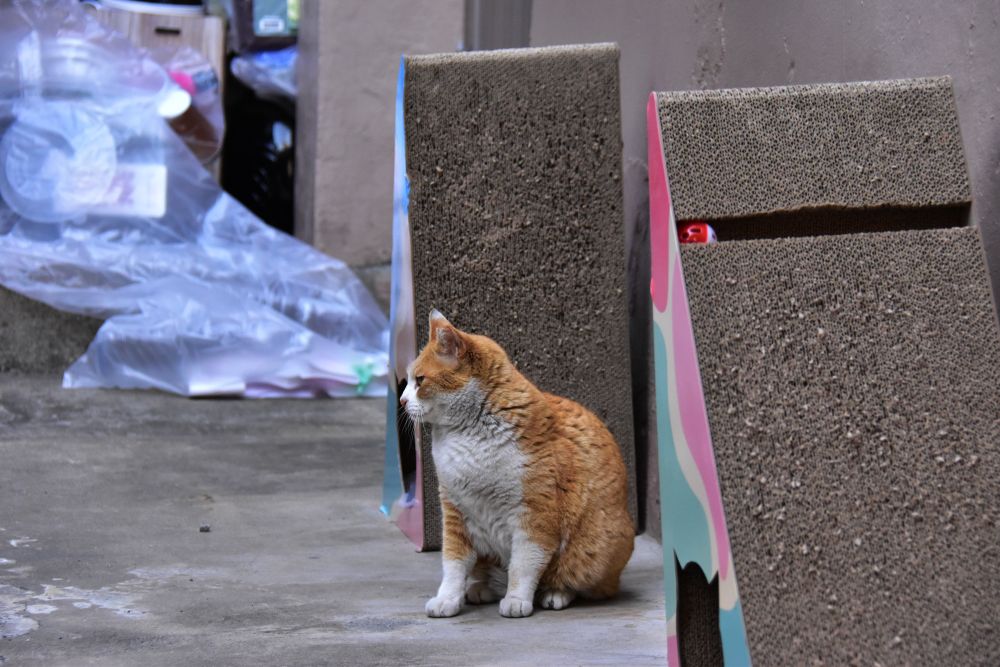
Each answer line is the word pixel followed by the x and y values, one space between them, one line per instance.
pixel 624 596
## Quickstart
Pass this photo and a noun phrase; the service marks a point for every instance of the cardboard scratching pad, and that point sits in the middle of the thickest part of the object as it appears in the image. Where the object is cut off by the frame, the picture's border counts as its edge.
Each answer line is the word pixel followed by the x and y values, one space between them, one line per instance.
pixel 818 159
pixel 840 394
pixel 516 226
pixel 853 390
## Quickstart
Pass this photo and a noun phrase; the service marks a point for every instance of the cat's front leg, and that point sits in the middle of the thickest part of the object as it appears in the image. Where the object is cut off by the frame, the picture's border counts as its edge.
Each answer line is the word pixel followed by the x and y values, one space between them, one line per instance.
pixel 528 560
pixel 457 561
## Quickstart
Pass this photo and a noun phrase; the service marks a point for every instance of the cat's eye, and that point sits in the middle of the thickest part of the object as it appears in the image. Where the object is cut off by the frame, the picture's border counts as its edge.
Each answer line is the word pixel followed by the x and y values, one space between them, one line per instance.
pixel 419 379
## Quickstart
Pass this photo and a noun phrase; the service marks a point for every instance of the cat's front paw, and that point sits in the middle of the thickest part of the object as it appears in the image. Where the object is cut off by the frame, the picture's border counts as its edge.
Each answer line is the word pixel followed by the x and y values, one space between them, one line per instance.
pixel 480 593
pixel 443 607
pixel 556 599
pixel 512 607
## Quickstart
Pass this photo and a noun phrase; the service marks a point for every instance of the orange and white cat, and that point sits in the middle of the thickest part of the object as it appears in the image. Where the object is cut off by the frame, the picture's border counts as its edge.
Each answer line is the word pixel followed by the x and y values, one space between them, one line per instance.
pixel 533 487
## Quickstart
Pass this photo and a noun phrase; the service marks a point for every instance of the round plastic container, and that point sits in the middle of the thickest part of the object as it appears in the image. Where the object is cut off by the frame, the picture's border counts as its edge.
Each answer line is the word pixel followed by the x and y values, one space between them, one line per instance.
pixel 56 160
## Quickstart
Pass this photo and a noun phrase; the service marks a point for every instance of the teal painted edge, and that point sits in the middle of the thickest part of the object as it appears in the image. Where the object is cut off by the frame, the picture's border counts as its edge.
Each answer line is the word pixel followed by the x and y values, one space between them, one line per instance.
pixel 689 529
pixel 735 649
pixel 663 442
pixel 682 518
pixel 392 482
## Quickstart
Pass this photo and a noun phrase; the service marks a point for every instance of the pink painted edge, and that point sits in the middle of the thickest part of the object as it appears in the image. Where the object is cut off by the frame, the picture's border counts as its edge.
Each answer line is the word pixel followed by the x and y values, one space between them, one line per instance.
pixel 659 222
pixel 659 207
pixel 694 417
pixel 411 519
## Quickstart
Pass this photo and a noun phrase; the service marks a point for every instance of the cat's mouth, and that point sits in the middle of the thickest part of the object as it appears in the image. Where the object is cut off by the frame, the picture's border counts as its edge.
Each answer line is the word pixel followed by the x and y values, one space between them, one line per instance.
pixel 416 412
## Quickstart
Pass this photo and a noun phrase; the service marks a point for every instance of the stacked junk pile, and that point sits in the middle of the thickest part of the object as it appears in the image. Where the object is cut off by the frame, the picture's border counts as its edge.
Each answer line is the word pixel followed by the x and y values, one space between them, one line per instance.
pixel 107 214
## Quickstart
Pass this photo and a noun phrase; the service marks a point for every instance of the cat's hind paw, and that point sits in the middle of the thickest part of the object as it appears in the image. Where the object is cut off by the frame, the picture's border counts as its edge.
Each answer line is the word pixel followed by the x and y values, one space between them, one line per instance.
pixel 480 593
pixel 556 599
pixel 443 607
pixel 512 607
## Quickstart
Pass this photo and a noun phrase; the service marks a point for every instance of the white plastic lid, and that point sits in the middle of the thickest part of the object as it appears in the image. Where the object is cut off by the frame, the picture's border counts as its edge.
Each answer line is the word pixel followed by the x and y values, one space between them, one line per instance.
pixel 174 102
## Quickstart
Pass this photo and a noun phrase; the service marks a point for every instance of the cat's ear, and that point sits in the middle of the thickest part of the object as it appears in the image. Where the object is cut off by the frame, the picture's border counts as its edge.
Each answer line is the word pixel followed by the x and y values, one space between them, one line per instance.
pixel 450 346
pixel 447 340
pixel 436 319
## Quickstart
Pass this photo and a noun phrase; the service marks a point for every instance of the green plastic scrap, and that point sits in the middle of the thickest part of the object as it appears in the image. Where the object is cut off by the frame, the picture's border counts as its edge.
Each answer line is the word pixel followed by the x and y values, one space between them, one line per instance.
pixel 364 370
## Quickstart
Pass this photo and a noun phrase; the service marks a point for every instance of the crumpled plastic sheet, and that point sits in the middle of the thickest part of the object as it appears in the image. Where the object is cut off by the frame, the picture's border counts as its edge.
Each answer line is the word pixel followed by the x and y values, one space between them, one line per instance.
pixel 268 73
pixel 199 296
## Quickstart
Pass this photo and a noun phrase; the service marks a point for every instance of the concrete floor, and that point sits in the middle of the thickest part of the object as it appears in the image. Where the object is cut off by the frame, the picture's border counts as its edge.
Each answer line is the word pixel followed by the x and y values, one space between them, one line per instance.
pixel 102 494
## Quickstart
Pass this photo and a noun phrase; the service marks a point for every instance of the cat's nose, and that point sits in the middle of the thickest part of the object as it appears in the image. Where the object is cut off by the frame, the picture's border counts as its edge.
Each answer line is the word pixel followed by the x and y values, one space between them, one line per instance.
pixel 402 401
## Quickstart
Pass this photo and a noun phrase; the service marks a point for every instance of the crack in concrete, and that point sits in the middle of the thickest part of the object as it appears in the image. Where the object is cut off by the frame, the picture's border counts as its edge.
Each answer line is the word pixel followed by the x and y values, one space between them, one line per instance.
pixel 791 60
pixel 711 57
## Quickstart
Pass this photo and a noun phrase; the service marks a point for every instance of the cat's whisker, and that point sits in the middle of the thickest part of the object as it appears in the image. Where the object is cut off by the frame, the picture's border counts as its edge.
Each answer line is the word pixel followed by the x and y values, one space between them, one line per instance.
pixel 406 426
pixel 414 426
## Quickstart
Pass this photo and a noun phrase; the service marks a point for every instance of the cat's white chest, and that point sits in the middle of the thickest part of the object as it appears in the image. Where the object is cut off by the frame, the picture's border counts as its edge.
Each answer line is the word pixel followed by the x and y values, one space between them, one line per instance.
pixel 482 476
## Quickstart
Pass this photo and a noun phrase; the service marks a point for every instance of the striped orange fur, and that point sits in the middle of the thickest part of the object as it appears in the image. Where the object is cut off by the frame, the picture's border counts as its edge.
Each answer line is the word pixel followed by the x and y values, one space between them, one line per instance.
pixel 532 485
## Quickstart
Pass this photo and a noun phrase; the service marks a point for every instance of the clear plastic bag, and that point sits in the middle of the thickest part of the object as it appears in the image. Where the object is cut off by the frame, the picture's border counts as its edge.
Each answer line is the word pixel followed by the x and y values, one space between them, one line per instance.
pixel 268 73
pixel 200 297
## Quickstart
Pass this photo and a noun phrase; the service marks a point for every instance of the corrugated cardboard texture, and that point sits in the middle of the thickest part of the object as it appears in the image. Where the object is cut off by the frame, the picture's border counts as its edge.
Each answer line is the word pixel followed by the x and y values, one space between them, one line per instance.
pixel 853 391
pixel 699 637
pixel 514 160
pixel 749 152
pixel 38 340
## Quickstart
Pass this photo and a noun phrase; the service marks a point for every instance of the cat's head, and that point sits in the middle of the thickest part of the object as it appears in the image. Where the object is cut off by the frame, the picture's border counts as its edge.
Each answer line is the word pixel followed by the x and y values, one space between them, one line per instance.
pixel 447 378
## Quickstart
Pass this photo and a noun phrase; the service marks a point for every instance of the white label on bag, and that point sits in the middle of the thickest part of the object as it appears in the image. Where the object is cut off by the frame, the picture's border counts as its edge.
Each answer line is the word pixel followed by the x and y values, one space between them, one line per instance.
pixel 136 190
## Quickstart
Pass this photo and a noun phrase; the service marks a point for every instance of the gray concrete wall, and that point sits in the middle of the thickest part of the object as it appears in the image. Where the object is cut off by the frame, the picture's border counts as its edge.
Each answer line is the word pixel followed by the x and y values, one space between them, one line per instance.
pixel 38 340
pixel 349 58
pixel 715 44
